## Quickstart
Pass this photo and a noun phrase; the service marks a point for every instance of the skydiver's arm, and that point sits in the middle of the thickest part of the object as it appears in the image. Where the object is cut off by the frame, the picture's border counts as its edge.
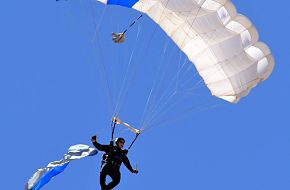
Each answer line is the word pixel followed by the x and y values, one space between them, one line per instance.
pixel 99 146
pixel 127 163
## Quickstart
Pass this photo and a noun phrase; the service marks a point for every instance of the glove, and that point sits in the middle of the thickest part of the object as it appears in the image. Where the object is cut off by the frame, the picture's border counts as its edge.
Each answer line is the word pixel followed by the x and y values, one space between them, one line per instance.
pixel 94 138
pixel 135 171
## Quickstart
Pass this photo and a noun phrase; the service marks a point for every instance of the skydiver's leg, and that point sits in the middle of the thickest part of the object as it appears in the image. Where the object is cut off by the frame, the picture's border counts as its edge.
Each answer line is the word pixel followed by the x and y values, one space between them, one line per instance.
pixel 116 177
pixel 103 175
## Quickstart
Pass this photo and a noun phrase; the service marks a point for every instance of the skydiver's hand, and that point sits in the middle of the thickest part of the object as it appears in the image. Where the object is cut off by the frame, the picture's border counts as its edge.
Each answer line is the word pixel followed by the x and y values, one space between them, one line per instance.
pixel 135 171
pixel 94 138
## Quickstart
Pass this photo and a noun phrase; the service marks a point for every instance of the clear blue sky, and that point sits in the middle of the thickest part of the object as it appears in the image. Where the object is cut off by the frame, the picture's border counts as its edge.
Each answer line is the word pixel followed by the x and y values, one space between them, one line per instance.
pixel 51 97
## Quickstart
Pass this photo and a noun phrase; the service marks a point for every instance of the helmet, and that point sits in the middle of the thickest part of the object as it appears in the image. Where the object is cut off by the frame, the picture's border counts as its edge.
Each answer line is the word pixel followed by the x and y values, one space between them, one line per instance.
pixel 117 140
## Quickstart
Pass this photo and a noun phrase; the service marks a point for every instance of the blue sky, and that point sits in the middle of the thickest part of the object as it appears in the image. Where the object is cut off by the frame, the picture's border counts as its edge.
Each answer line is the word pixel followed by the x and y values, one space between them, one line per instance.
pixel 52 96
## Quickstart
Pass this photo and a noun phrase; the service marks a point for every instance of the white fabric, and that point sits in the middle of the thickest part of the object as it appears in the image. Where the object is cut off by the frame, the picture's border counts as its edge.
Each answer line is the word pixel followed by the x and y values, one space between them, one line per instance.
pixel 119 121
pixel 103 1
pixel 75 152
pixel 222 44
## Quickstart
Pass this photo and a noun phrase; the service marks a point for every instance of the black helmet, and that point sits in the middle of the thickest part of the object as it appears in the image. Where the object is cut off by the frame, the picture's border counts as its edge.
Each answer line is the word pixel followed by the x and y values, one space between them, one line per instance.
pixel 117 140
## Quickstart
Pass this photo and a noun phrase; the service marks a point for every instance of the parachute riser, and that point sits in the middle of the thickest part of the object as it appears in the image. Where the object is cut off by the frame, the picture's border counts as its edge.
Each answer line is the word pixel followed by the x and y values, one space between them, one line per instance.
pixel 113 125
pixel 137 135
pixel 115 121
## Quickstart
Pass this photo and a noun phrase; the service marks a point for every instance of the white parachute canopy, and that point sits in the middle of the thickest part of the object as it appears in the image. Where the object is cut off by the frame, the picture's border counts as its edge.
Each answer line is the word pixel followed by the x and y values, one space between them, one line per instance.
pixel 222 44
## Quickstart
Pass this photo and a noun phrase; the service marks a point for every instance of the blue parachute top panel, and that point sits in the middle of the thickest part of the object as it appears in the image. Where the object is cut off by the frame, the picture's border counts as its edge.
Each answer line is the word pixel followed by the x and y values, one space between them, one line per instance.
pixel 125 3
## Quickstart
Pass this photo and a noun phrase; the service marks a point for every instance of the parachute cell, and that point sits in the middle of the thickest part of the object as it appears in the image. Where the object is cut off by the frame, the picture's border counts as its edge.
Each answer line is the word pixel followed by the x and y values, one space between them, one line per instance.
pixel 222 44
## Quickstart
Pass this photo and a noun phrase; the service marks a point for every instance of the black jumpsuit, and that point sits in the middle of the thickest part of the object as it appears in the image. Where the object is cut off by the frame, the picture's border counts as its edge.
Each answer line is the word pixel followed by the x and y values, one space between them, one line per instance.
pixel 112 160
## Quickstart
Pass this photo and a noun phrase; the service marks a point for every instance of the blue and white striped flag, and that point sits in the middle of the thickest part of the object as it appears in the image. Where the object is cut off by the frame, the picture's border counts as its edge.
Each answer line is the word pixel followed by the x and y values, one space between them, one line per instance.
pixel 43 175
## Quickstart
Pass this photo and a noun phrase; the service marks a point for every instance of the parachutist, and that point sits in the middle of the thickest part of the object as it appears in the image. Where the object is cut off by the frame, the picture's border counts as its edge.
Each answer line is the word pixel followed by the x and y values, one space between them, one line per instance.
pixel 113 157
